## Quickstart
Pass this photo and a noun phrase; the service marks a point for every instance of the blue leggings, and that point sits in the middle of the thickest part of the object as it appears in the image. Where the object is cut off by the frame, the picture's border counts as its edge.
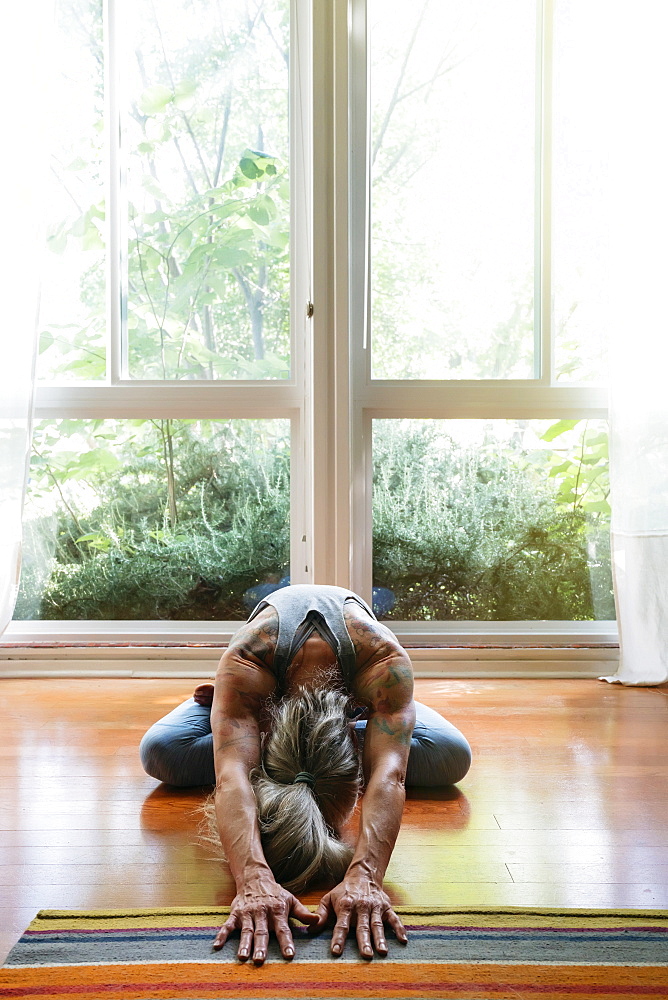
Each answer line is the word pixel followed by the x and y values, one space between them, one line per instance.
pixel 179 748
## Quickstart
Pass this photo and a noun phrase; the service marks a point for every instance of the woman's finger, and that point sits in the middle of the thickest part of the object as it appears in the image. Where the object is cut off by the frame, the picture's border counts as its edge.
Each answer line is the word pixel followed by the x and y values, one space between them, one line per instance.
pixel 284 937
pixel 396 925
pixel 246 939
pixel 323 911
pixel 302 913
pixel 224 932
pixel 340 932
pixel 364 935
pixel 260 939
pixel 378 931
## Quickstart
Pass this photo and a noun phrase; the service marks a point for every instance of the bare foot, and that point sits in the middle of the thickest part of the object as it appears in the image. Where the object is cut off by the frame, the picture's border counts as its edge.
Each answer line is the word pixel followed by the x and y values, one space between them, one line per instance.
pixel 203 695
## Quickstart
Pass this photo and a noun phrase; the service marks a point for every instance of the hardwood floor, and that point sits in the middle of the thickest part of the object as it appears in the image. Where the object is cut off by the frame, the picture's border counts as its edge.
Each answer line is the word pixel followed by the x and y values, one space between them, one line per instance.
pixel 566 803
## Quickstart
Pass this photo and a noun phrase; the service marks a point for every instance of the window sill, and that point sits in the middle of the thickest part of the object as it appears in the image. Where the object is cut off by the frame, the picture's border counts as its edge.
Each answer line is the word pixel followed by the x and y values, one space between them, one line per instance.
pixel 192 649
pixel 411 634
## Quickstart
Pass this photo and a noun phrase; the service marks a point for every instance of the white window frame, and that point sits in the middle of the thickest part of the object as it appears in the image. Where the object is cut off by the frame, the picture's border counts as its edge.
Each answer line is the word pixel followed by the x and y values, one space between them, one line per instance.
pixel 536 398
pixel 330 397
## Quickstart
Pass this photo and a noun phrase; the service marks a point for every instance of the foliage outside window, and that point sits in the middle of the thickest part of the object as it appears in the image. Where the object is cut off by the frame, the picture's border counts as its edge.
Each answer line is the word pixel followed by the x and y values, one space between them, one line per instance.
pixel 492 520
pixel 164 519
pixel 203 210
pixel 180 275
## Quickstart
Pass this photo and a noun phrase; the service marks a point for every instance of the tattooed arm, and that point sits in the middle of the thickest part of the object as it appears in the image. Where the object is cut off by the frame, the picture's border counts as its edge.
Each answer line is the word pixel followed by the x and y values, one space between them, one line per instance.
pixel 243 681
pixel 384 682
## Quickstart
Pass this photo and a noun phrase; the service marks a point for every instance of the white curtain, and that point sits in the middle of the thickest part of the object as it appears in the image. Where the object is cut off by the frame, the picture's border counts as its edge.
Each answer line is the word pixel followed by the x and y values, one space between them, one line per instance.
pixel 23 77
pixel 639 469
pixel 639 328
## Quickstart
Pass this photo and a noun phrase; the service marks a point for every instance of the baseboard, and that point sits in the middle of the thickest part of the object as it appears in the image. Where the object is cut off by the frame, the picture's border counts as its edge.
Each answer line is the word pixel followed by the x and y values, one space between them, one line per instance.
pixel 561 662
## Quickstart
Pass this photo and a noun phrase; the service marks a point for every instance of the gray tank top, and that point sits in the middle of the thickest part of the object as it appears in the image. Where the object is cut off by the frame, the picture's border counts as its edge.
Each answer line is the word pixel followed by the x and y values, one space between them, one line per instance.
pixel 305 608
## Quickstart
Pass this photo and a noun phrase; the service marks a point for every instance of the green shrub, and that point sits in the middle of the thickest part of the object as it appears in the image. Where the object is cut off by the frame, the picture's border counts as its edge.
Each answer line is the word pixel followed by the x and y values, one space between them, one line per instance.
pixel 128 558
pixel 464 534
pixel 177 519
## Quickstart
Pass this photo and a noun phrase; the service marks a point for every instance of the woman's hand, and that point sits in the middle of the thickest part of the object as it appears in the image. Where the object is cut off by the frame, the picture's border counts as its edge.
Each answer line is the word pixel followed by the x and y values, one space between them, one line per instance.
pixel 260 906
pixel 360 901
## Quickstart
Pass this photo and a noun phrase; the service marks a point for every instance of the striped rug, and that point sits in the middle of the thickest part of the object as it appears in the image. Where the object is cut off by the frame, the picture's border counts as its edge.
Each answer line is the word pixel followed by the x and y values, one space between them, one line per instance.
pixel 462 953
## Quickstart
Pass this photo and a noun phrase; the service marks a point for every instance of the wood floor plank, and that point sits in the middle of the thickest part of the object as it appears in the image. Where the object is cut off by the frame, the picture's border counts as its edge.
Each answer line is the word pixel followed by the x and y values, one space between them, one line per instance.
pixel 554 819
pixel 566 803
pixel 614 870
pixel 107 855
pixel 123 874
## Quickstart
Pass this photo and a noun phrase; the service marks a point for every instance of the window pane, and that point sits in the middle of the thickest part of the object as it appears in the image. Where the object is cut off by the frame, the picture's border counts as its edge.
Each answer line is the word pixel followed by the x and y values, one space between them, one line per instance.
pixel 206 137
pixel 452 208
pixel 143 519
pixel 73 310
pixel 492 520
pixel 581 233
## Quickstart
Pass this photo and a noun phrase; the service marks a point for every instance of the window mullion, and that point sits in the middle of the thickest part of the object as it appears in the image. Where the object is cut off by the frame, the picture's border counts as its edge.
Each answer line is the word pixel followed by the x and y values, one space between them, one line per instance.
pixel 359 301
pixel 115 254
pixel 301 292
pixel 544 348
pixel 326 378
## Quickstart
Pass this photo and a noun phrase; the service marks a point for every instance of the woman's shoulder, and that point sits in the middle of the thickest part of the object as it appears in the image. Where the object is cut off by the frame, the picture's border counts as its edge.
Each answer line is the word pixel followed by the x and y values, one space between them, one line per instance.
pixel 256 639
pixel 370 638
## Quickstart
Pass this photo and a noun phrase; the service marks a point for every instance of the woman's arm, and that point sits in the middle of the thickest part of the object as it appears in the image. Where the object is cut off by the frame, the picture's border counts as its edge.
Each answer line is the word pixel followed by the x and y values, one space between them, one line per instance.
pixel 384 682
pixel 243 682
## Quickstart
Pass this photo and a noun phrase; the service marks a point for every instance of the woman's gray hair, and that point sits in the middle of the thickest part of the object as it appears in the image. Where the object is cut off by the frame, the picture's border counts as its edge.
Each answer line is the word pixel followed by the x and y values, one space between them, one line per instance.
pixel 299 824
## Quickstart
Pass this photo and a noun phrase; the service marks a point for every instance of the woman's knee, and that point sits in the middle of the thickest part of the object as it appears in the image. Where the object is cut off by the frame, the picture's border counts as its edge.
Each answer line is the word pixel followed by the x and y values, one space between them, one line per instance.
pixel 456 758
pixel 177 759
pixel 438 757
pixel 178 749
pixel 156 752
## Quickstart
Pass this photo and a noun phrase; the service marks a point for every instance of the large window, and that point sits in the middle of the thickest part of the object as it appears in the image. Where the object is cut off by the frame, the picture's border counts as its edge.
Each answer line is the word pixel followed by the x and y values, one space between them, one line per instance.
pixel 322 304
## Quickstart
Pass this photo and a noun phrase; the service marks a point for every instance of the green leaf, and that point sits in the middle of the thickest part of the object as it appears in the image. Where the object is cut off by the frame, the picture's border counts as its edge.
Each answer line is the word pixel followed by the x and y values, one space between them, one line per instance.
pixel 99 459
pixel 155 99
pixel 229 257
pixel 557 470
pixel 80 364
pixel 46 339
pixel 227 208
pixel 560 427
pixel 250 169
pixel 151 218
pixel 202 250
pixel 92 240
pixel 594 437
pixel 184 92
pixel 57 243
pixel 592 457
pixel 597 506
pixel 76 164
pixel 276 238
pixel 262 210
pixel 237 236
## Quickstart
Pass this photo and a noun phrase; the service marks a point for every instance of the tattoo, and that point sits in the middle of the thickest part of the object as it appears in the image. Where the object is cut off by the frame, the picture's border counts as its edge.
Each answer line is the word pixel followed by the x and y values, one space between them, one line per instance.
pixel 257 638
pixel 249 700
pixel 385 674
pixel 239 739
pixel 367 636
pixel 399 732
pixel 386 686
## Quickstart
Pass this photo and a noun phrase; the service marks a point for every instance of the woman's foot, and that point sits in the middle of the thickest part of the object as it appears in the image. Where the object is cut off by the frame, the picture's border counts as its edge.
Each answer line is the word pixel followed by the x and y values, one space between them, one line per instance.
pixel 203 695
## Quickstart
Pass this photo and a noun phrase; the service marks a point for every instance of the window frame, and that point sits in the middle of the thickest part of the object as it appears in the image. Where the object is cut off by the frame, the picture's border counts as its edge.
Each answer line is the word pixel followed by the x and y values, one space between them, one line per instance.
pixel 540 397
pixel 330 397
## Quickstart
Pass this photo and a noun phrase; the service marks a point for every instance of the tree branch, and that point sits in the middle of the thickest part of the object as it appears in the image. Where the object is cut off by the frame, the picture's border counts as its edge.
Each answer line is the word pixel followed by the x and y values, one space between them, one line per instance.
pixel 395 95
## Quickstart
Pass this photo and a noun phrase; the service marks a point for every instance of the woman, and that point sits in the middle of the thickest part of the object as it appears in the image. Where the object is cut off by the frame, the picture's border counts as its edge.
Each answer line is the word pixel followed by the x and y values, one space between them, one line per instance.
pixel 278 736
